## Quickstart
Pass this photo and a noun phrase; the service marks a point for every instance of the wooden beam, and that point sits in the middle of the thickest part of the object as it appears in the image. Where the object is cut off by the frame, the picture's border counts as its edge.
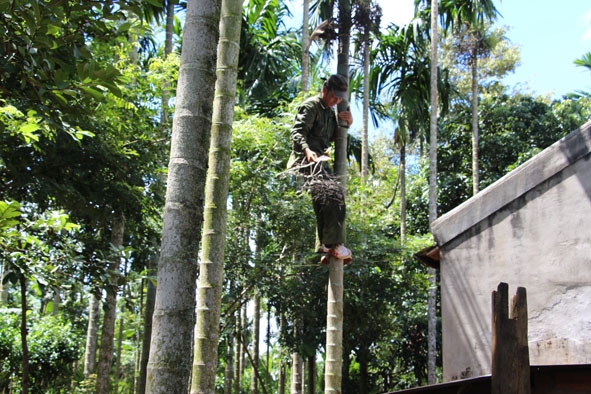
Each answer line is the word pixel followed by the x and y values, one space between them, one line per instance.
pixel 510 351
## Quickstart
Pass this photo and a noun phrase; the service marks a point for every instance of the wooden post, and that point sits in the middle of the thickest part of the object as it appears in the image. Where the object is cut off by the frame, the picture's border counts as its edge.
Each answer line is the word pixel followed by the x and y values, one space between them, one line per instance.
pixel 510 352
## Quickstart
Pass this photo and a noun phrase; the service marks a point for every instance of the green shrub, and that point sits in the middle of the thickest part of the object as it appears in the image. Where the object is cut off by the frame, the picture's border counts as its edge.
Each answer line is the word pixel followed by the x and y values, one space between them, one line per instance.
pixel 53 348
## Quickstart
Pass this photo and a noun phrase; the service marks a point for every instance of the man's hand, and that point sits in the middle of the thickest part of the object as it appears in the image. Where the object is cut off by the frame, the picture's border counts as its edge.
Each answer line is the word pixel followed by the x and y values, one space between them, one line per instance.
pixel 347 117
pixel 311 156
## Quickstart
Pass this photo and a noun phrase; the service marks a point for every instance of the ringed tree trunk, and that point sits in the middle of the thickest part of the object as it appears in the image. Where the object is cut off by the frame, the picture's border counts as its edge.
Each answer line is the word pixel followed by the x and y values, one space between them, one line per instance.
pixel 169 365
pixel 229 371
pixel 296 374
pixel 91 335
pixel 475 136
pixel 148 313
pixel 209 296
pixel 334 314
pixel 305 46
pixel 402 171
pixel 256 336
pixel 110 312
pixel 432 313
pixel 24 344
pixel 167 51
pixel 238 353
pixel 366 87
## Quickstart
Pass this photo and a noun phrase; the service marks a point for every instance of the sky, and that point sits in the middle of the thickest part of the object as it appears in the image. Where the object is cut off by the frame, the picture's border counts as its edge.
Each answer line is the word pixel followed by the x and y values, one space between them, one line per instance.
pixel 550 34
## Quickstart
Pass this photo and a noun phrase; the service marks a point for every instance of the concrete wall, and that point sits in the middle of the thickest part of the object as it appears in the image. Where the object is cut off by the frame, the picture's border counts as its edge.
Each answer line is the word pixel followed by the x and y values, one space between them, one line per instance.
pixel 532 228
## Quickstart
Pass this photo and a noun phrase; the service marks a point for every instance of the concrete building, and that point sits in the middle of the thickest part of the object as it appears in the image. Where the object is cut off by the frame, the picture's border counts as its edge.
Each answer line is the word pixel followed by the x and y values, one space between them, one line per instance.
pixel 532 229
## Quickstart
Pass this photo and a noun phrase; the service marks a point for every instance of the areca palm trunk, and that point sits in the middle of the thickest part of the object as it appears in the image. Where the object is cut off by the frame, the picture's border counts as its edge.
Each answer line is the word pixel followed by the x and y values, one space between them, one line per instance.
pixel 110 308
pixel 475 175
pixel 305 46
pixel 238 355
pixel 148 312
pixel 366 87
pixel 334 313
pixel 334 328
pixel 169 366
pixel 91 336
pixel 209 296
pixel 402 172
pixel 256 336
pixel 296 374
pixel 167 51
pixel 432 313
pixel 229 371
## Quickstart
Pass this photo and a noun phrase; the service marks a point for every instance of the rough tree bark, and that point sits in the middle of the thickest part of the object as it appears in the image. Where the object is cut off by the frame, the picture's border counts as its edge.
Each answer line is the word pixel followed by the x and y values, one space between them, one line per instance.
pixel 169 366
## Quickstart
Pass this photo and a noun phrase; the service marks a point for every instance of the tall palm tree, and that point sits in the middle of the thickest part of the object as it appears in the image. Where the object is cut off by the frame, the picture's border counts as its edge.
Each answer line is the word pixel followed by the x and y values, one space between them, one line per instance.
pixel 471 45
pixel 472 17
pixel 432 302
pixel 368 19
pixel 169 366
pixel 401 73
pixel 209 296
pixel 334 312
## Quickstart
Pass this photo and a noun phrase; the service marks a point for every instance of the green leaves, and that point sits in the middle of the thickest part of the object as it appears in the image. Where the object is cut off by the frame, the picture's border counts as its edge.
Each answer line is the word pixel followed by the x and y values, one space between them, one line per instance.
pixel 9 214
pixel 39 246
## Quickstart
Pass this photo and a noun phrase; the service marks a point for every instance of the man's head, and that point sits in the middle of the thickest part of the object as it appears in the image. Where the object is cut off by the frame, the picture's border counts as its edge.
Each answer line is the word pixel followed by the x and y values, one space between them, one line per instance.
pixel 338 85
pixel 335 90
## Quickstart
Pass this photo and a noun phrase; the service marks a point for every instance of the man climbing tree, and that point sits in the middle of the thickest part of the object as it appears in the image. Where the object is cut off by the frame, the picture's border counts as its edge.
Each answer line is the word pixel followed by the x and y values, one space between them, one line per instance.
pixel 315 127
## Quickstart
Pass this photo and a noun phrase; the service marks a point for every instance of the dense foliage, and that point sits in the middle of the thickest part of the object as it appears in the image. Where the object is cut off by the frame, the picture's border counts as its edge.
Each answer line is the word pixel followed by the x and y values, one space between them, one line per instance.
pixel 54 346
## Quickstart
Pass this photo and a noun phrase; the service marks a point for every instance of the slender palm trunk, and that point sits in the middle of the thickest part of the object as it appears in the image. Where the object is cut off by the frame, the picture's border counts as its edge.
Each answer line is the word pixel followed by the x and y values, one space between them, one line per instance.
pixel 305 46
pixel 209 296
pixel 167 51
pixel 296 374
pixel 311 375
pixel 24 343
pixel 105 361
pixel 475 136
pixel 91 335
pixel 148 312
pixel 334 328
pixel 118 358
pixel 169 366
pixel 282 372
pixel 364 133
pixel 402 180
pixel 334 313
pixel 256 336
pixel 432 318
pixel 238 353
pixel 229 371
